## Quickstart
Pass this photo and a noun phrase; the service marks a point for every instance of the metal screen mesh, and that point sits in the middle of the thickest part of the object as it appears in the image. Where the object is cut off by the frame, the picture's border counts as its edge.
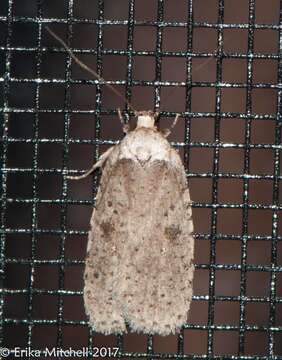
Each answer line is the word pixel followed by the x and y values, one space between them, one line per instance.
pixel 57 119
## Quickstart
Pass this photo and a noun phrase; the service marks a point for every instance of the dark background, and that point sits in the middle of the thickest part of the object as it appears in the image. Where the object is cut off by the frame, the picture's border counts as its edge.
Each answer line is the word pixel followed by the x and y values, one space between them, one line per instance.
pixel 63 122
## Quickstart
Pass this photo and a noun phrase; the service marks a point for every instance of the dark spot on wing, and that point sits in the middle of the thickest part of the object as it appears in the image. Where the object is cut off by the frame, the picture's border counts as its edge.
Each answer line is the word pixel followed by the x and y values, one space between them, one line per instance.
pixel 172 232
pixel 107 228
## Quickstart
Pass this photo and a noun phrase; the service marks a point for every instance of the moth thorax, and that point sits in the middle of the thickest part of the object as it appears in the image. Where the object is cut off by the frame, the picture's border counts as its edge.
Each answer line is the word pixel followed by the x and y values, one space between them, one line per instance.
pixel 146 120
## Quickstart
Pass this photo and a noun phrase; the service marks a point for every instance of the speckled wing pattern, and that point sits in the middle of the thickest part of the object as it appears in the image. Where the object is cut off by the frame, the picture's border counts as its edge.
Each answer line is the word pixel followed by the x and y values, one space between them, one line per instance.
pixel 139 265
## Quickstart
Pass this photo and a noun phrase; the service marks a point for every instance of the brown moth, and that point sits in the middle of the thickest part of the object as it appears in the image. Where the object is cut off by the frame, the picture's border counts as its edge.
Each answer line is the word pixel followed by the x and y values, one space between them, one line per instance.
pixel 139 263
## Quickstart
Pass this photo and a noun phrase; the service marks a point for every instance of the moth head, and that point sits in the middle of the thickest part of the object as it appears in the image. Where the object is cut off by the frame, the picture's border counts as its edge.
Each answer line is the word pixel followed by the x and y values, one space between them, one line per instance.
pixel 146 119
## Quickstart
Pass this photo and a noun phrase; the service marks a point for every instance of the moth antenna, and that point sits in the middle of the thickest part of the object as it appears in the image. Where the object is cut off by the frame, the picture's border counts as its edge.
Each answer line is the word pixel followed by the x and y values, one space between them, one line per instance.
pixel 167 132
pixel 88 69
pixel 206 62
pixel 125 127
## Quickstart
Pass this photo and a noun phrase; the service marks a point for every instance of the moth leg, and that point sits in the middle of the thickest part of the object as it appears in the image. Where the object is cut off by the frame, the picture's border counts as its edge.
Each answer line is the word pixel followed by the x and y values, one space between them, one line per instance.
pixel 95 166
pixel 167 132
pixel 125 127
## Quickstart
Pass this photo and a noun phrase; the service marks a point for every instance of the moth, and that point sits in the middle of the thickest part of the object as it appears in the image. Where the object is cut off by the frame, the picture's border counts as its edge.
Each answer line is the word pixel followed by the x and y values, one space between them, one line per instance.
pixel 139 263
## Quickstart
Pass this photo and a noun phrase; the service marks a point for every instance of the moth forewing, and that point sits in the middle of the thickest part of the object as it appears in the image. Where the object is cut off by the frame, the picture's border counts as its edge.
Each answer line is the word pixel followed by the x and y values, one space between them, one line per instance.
pixel 139 265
